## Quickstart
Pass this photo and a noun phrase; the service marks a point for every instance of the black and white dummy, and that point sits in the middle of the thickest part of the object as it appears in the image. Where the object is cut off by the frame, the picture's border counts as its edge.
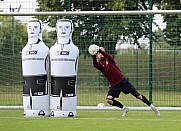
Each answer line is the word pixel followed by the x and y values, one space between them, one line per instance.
pixel 63 64
pixel 35 57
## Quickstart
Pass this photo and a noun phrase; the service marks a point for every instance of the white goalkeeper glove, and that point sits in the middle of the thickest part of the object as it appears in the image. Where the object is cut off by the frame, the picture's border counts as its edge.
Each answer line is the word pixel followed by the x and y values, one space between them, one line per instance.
pixel 93 49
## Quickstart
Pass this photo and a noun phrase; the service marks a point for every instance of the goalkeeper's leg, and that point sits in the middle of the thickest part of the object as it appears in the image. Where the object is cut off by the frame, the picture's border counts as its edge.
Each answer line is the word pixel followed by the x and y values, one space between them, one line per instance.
pixel 110 100
pixel 146 101
pixel 141 97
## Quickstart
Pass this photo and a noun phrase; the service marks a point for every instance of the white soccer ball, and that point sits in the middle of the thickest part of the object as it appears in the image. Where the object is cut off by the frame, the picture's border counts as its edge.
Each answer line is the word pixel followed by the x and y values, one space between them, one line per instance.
pixel 100 105
pixel 93 49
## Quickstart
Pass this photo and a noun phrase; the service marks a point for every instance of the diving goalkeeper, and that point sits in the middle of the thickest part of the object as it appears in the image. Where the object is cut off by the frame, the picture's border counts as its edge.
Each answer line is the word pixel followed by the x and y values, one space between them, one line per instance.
pixel 118 83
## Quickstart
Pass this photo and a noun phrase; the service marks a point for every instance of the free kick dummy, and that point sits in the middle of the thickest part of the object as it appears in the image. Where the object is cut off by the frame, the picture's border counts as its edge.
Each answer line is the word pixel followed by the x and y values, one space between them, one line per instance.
pixel 64 63
pixel 35 68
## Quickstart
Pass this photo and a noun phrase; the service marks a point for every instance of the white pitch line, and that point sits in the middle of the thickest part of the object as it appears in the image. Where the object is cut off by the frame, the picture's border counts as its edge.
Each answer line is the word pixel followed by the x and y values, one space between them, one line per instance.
pixel 128 119
pixel 103 108
pixel 108 119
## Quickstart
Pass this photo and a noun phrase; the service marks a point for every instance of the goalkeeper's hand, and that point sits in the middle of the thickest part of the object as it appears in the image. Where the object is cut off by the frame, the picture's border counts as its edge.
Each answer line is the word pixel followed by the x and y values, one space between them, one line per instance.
pixel 93 49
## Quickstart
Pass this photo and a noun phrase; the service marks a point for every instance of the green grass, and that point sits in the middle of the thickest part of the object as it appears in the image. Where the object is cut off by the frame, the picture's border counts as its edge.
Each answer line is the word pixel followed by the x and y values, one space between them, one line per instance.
pixel 93 120
pixel 10 96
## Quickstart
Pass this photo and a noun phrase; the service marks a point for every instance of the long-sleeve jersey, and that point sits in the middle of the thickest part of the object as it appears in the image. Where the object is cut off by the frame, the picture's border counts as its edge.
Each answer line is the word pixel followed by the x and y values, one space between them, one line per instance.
pixel 108 68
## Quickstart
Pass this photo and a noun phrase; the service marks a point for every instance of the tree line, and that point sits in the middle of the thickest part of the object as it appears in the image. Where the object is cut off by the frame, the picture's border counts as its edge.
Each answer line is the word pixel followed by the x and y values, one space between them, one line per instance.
pixel 98 29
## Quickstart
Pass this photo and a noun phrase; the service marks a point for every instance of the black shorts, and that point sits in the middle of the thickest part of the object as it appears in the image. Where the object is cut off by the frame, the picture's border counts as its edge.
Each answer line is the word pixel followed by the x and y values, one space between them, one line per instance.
pixel 124 86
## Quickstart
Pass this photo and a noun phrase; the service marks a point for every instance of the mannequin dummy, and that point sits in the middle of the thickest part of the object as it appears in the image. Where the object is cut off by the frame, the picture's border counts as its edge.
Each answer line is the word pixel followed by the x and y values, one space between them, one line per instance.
pixel 64 62
pixel 34 68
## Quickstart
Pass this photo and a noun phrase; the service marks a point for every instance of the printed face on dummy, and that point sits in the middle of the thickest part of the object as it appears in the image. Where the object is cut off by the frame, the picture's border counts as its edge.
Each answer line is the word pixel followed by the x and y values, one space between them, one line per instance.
pixel 64 29
pixel 33 29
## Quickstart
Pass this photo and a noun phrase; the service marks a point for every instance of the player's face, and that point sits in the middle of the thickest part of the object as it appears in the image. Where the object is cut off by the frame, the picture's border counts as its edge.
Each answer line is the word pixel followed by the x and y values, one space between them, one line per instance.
pixel 100 56
pixel 33 29
pixel 64 29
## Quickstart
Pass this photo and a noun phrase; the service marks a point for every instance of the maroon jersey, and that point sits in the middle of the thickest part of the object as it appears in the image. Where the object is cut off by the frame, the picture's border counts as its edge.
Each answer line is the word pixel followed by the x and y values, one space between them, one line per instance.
pixel 108 68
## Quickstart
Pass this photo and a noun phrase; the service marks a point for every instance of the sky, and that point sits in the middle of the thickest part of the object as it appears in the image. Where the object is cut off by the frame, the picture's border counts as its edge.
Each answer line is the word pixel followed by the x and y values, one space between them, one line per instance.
pixel 26 6
pixel 159 20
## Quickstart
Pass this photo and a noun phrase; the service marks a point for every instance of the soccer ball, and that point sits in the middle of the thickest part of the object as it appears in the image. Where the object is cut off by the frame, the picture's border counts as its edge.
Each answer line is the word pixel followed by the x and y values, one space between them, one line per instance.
pixel 100 105
pixel 93 49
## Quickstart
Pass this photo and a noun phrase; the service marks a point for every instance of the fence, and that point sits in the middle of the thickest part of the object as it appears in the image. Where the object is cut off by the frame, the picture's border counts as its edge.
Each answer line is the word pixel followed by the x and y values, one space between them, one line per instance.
pixel 153 64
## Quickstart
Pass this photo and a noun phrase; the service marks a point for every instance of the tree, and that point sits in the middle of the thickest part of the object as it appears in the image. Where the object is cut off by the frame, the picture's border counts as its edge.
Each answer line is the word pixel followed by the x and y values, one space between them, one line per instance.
pixel 20 37
pixel 87 27
pixel 100 30
pixel 172 31
pixel 48 38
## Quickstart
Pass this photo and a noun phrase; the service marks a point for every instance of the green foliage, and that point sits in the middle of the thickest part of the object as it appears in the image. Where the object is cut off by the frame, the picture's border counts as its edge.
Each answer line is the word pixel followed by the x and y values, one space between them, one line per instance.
pixel 53 5
pixel 7 33
pixel 49 38
pixel 172 31
pixel 101 30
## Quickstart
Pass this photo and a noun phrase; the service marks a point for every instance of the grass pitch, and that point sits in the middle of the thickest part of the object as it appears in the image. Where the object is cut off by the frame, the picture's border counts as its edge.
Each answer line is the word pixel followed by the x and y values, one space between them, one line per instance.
pixel 93 120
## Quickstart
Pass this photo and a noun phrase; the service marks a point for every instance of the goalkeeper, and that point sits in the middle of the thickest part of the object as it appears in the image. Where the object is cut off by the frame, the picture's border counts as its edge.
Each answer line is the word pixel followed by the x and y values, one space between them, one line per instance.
pixel 106 64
